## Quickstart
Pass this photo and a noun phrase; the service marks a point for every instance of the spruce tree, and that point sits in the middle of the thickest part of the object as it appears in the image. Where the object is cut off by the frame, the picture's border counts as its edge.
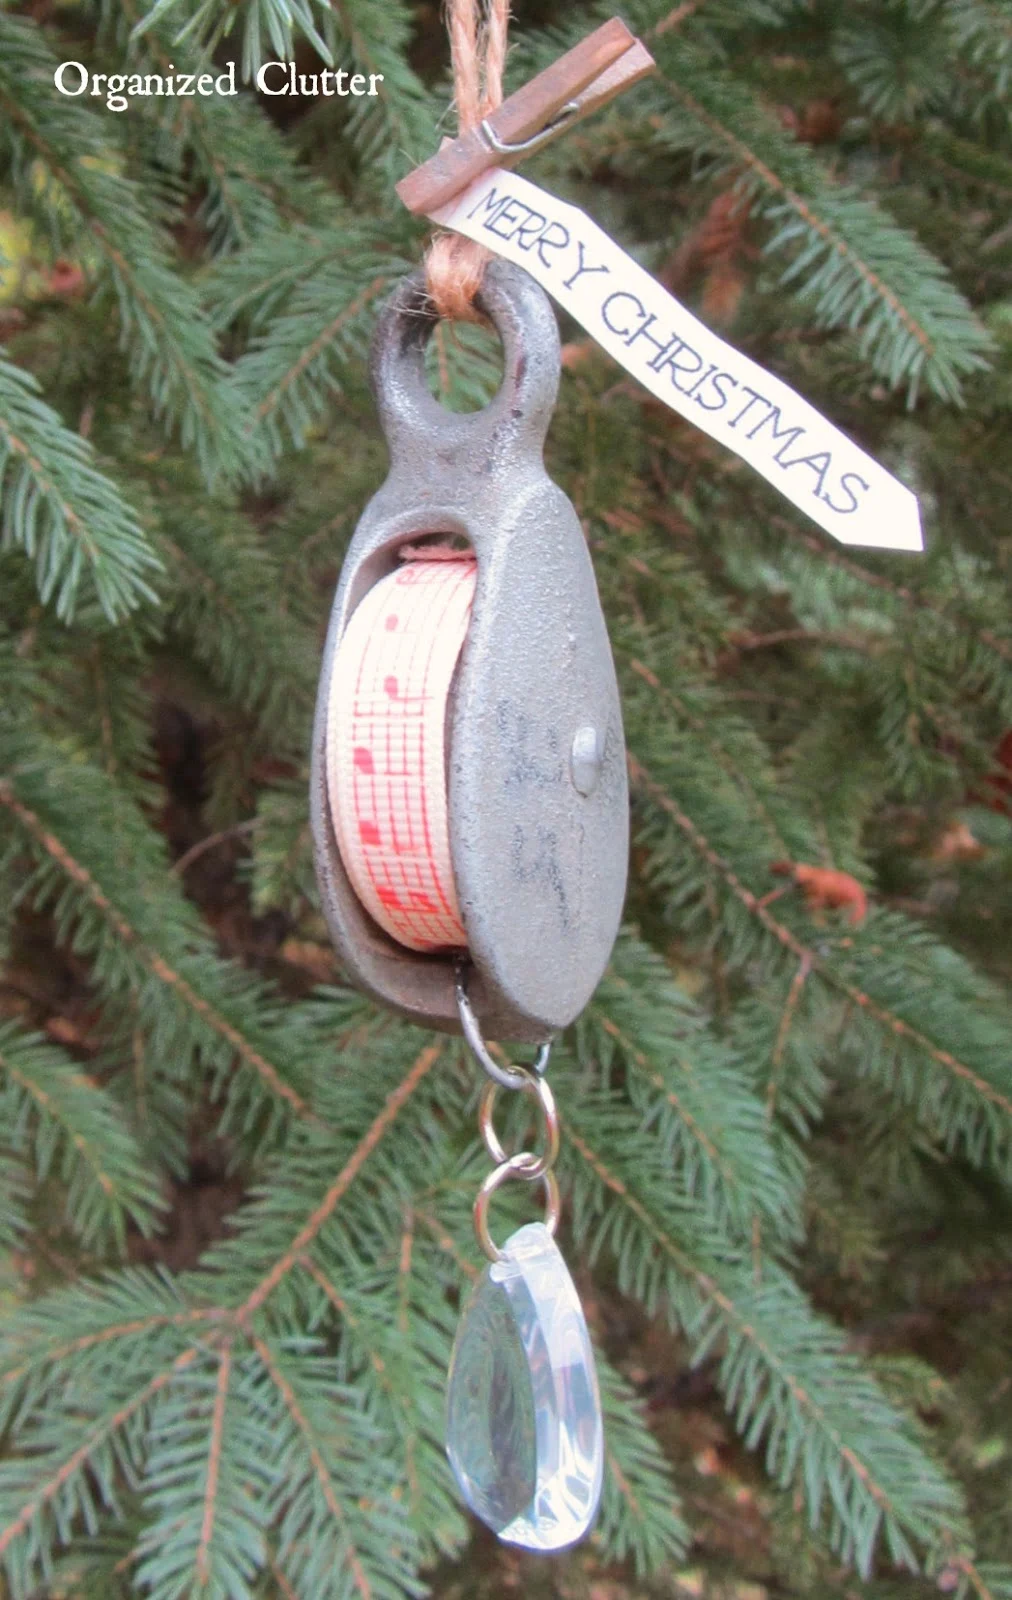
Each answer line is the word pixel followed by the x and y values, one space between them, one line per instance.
pixel 787 1111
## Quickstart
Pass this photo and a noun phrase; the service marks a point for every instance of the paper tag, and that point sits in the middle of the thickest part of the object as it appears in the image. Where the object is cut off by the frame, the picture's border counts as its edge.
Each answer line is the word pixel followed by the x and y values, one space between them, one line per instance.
pixel 678 359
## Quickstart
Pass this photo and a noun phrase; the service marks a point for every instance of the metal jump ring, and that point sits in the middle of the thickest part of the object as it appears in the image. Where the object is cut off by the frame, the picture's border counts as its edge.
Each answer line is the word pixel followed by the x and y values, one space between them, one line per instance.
pixel 536 1166
pixel 513 1168
pixel 506 1077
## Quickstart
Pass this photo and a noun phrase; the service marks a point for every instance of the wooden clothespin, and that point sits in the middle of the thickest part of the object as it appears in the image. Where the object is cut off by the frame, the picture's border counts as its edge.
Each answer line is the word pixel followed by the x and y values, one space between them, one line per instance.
pixel 583 80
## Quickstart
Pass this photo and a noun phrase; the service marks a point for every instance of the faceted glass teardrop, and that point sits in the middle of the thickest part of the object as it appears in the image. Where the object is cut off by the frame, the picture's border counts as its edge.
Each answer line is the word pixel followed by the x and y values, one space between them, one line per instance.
pixel 524 1433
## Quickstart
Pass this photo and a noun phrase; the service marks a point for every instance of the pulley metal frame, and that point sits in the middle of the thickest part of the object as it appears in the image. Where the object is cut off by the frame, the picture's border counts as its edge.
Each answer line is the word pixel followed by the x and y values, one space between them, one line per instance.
pixel 538 832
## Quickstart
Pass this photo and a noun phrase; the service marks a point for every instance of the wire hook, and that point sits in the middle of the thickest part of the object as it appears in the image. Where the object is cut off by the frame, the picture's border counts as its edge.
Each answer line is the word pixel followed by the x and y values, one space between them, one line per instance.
pixel 506 1077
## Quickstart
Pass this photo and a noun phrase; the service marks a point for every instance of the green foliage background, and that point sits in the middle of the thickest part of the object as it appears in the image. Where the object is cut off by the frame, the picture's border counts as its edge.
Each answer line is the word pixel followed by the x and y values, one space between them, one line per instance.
pixel 788 1134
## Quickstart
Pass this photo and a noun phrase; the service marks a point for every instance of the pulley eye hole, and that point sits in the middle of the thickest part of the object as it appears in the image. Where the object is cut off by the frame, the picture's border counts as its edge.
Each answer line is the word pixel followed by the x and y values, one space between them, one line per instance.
pixel 464 365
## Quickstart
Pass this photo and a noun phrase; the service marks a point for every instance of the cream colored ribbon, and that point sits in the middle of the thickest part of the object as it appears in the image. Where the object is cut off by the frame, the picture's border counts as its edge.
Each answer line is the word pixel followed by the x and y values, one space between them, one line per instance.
pixel 386 747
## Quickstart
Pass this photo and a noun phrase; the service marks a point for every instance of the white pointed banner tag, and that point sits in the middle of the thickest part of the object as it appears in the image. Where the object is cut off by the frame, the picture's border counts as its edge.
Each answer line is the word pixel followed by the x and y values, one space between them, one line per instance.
pixel 683 363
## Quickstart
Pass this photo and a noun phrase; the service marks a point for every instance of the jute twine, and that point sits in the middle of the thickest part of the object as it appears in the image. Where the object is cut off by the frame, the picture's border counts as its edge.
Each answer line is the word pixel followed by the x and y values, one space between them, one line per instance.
pixel 454 265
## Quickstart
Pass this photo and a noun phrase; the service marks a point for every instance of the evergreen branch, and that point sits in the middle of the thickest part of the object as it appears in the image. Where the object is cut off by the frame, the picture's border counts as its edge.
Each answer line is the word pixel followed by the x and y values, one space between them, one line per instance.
pixel 66 1124
pixel 84 1330
pixel 992 1097
pixel 674 18
pixel 283 873
pixel 147 923
pixel 161 321
pixel 395 1344
pixel 640 1063
pixel 154 962
pixel 24 1498
pixel 448 1245
pixel 234 146
pixel 100 701
pixel 47 1353
pixel 344 1311
pixel 786 1374
pixel 225 606
pixel 109 760
pixel 284 379
pixel 208 1473
pixel 794 1090
pixel 910 691
pixel 400 122
pixel 154 1094
pixel 62 511
pixel 963 161
pixel 404 1271
pixel 22 678
pixel 982 33
pixel 857 268
pixel 328 1489
pixel 787 1018
pixel 987 1580
pixel 204 23
pixel 323 340
pixel 694 1096
pixel 201 1562
pixel 910 597
pixel 341 1532
pixel 734 767
pixel 298 1449
pixel 373 1136
pixel 622 1485
pixel 874 54
pixel 255 284
pixel 640 1510
pixel 16 1191
pixel 285 1589
pixel 253 185
pixel 722 763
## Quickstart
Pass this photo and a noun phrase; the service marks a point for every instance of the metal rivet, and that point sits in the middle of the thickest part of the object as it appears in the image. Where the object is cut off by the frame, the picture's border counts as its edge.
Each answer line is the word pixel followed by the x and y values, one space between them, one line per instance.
pixel 585 759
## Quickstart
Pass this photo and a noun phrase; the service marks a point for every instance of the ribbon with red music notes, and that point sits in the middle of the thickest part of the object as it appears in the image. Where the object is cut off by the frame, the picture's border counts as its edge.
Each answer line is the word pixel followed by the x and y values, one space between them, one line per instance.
pixel 386 747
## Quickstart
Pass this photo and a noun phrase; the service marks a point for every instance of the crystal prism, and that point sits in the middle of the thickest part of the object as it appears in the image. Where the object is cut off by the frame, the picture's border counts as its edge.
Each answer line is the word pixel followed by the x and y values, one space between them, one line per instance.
pixel 524 1433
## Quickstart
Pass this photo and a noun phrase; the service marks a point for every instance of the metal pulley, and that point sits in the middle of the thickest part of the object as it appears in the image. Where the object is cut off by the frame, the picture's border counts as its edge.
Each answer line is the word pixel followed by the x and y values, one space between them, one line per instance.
pixel 536 805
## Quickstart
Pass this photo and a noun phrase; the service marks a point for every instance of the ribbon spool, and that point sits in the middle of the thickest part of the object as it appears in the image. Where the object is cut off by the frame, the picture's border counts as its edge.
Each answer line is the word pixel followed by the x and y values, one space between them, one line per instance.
pixel 532 758
pixel 386 748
